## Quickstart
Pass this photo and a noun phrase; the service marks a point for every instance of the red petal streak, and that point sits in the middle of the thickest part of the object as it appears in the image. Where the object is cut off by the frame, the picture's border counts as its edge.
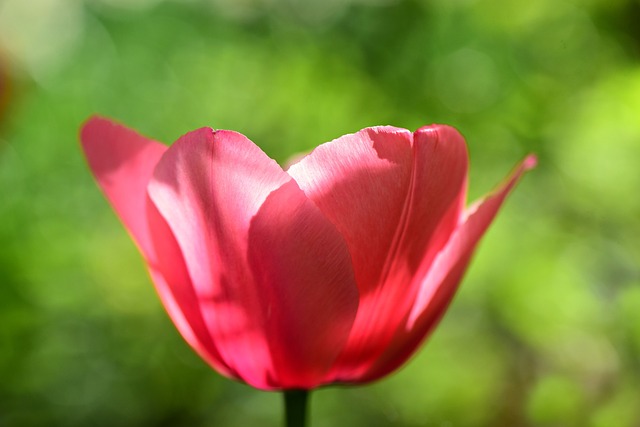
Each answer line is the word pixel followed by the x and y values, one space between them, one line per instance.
pixel 438 286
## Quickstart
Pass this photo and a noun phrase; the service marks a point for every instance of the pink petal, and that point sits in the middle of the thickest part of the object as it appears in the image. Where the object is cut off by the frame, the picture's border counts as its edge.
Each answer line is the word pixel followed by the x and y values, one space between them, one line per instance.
pixel 175 288
pixel 360 183
pixel 438 286
pixel 302 265
pixel 122 162
pixel 396 199
pixel 251 242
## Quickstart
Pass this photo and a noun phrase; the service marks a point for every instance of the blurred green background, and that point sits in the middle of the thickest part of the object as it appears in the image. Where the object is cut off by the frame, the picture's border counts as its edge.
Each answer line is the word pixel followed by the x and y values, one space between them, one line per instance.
pixel 546 328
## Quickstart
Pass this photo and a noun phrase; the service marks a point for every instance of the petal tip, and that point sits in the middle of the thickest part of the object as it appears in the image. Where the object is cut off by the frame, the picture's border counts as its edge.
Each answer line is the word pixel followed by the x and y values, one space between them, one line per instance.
pixel 95 119
pixel 426 130
pixel 437 133
pixel 530 162
pixel 88 124
pixel 434 128
pixel 93 126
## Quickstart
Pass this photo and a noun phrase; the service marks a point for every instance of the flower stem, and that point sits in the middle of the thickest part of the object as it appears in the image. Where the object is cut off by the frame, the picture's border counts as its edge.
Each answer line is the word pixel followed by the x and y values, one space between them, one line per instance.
pixel 295 408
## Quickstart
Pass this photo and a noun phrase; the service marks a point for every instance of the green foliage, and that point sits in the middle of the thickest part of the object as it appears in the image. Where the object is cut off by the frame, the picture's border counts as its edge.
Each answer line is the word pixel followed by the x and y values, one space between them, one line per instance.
pixel 546 328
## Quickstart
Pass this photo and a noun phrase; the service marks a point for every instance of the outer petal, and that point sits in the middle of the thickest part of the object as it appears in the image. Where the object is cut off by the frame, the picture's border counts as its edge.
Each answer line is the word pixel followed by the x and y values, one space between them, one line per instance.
pixel 440 283
pixel 256 250
pixel 396 199
pixel 123 162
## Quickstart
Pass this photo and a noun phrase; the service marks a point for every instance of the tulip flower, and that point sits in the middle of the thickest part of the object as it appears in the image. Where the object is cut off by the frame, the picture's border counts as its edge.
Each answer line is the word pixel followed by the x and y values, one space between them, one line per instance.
pixel 331 272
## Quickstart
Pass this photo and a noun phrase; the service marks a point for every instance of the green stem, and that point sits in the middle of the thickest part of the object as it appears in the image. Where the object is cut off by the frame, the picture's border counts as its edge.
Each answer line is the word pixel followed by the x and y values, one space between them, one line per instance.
pixel 295 408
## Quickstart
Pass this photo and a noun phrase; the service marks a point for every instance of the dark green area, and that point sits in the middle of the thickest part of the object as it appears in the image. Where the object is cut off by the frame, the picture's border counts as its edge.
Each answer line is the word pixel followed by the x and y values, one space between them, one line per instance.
pixel 546 328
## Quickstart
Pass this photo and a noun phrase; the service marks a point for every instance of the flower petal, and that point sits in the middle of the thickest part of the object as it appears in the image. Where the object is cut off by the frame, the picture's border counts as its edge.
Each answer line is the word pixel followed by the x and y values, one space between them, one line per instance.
pixel 440 283
pixel 301 265
pixel 244 228
pixel 360 183
pixel 396 199
pixel 175 288
pixel 122 162
pixel 478 217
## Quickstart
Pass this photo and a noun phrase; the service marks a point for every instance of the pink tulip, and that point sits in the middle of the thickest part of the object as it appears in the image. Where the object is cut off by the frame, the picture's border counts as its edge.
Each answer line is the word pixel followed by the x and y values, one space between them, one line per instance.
pixel 333 271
